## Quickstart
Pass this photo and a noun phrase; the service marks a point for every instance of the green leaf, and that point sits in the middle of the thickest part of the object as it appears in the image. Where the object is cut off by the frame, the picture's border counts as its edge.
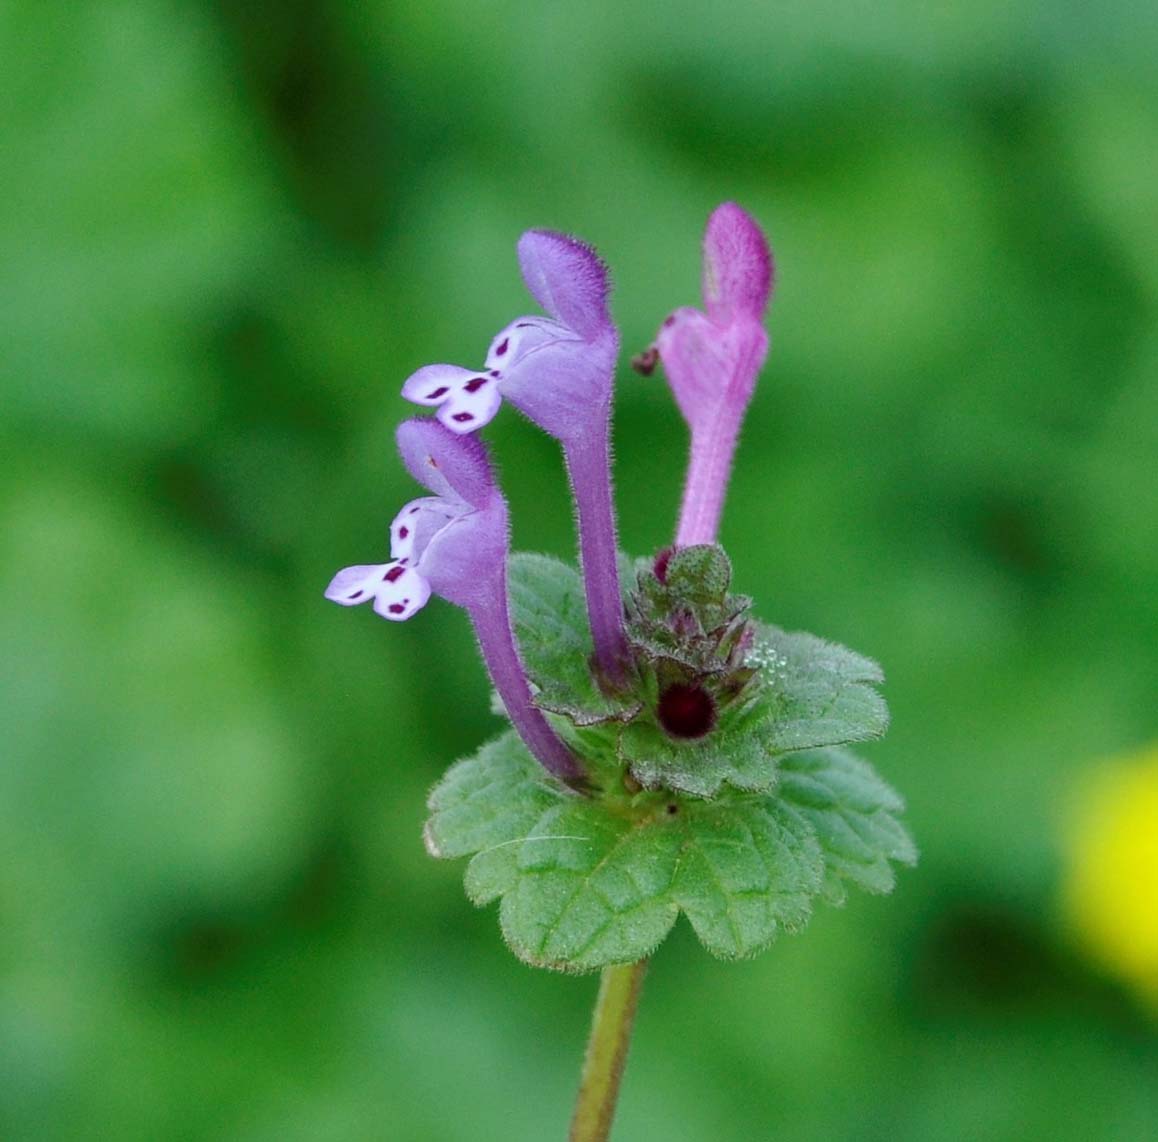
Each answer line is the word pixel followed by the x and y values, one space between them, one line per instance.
pixel 592 889
pixel 821 693
pixel 750 868
pixel 549 612
pixel 812 694
pixel 740 830
pixel 735 756
pixel 483 805
pixel 595 888
pixel 808 694
pixel 586 883
pixel 854 814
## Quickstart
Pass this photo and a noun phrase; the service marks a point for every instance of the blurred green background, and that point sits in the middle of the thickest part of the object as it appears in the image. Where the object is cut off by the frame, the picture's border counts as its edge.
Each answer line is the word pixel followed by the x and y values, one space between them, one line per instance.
pixel 228 233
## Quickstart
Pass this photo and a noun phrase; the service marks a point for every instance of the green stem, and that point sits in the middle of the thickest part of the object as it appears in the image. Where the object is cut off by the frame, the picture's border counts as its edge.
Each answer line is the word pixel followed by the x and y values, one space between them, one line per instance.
pixel 607 1051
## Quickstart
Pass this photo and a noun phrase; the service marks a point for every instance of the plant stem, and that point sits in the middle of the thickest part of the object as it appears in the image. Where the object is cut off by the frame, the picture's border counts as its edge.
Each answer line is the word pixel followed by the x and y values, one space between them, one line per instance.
pixel 588 459
pixel 611 1025
pixel 491 618
pixel 709 467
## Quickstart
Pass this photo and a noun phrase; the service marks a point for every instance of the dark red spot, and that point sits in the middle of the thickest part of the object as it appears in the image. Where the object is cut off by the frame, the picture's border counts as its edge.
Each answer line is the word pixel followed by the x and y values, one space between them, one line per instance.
pixel 393 574
pixel 495 373
pixel 503 347
pixel 686 711
pixel 475 383
pixel 356 596
pixel 439 392
pixel 396 608
pixel 644 363
pixel 661 562
pixel 669 321
pixel 463 417
pixel 403 532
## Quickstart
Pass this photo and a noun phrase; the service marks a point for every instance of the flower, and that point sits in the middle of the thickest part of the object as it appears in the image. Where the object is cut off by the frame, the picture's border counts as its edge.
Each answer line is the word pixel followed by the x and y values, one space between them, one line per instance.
pixel 559 372
pixel 712 359
pixel 450 543
pixel 455 544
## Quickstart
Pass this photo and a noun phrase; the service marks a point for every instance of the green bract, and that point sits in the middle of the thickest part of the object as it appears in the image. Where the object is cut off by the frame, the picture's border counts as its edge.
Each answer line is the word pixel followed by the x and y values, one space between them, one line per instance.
pixel 739 828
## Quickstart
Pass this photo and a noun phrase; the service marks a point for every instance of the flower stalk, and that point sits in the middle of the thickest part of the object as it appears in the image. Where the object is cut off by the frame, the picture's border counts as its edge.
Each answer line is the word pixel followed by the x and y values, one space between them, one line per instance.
pixel 611 1027
pixel 713 447
pixel 496 639
pixel 588 459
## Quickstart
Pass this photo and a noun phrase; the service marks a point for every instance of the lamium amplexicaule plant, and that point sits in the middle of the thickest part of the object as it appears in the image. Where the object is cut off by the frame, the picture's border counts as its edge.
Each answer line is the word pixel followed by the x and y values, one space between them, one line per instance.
pixel 667 751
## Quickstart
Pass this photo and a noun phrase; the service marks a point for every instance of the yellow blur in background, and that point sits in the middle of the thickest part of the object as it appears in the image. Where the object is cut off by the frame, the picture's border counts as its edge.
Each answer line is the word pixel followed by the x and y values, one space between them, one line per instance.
pixel 1111 891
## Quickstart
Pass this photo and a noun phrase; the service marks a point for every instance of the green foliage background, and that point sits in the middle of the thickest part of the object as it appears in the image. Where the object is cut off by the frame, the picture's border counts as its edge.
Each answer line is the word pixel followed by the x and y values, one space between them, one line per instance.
pixel 227 234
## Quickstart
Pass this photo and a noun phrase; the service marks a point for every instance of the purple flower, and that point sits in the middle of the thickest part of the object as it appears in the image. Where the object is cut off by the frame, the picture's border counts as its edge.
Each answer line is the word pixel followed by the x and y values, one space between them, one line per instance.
pixel 451 543
pixel 455 544
pixel 556 370
pixel 712 359
pixel 559 372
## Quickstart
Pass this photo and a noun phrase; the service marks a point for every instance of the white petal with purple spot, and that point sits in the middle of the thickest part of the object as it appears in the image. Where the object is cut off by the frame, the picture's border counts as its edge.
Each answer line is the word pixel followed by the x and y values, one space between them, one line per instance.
pixel 522 337
pixel 472 404
pixel 466 400
pixel 353 585
pixel 400 592
pixel 433 384
pixel 416 523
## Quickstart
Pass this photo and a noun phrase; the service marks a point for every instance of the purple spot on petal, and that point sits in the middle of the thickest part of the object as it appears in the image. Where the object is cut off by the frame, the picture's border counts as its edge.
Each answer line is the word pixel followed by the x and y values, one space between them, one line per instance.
pixel 396 608
pixel 523 325
pixel 414 511
pixel 475 383
pixel 495 373
pixel 393 574
pixel 669 321
pixel 462 418
pixel 439 392
pixel 403 532
pixel 356 596
pixel 503 347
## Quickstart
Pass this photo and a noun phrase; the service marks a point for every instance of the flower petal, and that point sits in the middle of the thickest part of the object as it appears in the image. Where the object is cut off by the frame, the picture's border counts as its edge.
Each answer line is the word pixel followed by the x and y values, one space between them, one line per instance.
pixel 400 592
pixel 737 265
pixel 567 278
pixel 708 365
pixel 433 384
pixel 555 378
pixel 452 466
pixel 353 585
pixel 524 336
pixel 416 524
pixel 464 560
pixel 472 404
